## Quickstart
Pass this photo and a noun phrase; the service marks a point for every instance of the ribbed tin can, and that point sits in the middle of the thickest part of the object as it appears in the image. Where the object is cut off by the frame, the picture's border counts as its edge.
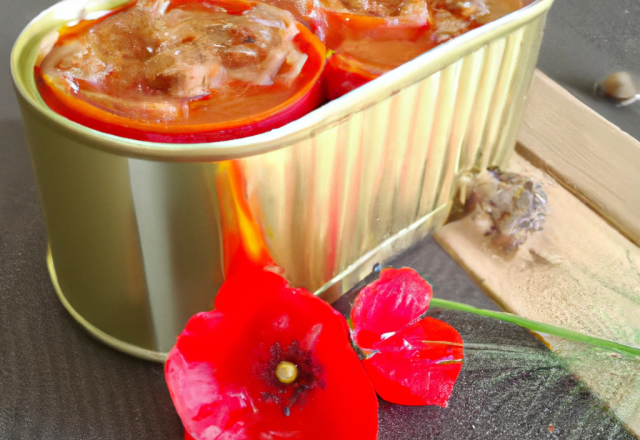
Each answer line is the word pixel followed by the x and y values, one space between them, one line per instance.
pixel 134 227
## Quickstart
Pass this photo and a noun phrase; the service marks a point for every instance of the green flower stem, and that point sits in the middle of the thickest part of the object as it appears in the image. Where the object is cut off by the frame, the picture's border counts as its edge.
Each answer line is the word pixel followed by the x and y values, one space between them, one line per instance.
pixel 538 326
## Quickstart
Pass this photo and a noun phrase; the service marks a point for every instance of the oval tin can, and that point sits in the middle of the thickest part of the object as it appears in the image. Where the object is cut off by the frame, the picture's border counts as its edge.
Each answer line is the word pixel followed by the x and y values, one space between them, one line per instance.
pixel 135 228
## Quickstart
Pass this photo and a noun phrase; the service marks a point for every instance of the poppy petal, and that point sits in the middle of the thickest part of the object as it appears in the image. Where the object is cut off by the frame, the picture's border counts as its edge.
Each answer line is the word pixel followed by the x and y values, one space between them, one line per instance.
pixel 418 365
pixel 398 298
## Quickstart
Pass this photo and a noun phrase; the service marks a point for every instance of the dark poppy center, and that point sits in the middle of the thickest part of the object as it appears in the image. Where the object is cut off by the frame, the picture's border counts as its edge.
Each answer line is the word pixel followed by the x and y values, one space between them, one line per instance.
pixel 289 376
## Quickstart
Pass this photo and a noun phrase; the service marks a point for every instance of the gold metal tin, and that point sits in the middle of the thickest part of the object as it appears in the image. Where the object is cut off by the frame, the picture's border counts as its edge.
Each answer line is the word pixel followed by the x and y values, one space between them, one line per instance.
pixel 134 227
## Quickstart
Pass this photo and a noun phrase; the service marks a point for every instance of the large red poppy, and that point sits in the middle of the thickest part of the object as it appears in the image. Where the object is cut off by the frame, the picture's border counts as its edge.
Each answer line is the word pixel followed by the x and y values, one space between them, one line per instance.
pixel 223 372
pixel 410 360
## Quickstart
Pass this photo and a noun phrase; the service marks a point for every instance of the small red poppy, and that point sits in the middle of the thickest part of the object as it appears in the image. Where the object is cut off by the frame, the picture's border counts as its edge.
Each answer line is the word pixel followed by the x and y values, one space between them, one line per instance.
pixel 270 362
pixel 410 361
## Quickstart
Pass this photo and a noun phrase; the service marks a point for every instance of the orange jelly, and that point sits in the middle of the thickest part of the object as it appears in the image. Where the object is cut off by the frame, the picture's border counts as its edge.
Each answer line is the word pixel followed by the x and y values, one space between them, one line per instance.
pixel 371 37
pixel 184 70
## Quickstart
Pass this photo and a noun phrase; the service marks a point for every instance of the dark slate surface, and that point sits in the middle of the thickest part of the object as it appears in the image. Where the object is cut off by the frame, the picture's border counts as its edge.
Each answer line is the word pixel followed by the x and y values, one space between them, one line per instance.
pixel 58 383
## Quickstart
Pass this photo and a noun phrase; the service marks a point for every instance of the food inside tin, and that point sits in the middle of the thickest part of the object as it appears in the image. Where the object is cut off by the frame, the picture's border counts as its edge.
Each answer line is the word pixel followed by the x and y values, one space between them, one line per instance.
pixel 175 70
pixel 369 38
pixel 186 64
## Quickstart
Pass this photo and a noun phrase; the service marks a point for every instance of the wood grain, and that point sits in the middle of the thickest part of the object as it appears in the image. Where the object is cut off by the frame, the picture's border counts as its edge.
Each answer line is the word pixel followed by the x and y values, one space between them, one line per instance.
pixel 583 151
pixel 579 272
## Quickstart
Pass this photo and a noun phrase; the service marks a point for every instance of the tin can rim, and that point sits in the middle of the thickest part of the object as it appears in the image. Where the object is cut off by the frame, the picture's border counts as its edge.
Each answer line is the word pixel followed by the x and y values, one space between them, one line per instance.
pixel 330 114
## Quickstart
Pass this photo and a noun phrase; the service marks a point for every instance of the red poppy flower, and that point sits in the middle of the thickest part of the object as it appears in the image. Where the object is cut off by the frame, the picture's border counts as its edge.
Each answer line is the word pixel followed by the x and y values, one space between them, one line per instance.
pixel 410 361
pixel 270 362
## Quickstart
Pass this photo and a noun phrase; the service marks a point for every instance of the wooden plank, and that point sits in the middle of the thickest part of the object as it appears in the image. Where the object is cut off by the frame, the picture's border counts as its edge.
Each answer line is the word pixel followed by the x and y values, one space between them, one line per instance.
pixel 579 272
pixel 583 151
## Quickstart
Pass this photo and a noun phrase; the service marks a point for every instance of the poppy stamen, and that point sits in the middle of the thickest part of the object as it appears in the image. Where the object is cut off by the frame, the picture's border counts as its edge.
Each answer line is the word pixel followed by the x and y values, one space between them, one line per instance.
pixel 286 372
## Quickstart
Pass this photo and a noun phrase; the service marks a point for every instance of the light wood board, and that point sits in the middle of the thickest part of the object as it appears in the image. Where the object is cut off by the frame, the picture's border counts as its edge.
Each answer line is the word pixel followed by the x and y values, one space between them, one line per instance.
pixel 587 153
pixel 583 270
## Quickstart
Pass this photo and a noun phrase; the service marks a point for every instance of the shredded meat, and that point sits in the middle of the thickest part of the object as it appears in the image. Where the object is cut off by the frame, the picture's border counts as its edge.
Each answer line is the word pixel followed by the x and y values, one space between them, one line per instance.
pixel 151 51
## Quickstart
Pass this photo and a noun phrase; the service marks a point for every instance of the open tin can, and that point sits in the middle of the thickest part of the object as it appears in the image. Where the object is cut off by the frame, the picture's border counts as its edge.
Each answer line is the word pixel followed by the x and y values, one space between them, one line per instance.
pixel 134 228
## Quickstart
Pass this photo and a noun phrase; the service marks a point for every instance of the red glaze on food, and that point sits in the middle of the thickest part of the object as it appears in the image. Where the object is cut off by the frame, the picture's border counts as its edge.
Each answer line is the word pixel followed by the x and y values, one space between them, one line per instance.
pixel 410 361
pixel 221 373
pixel 343 74
pixel 175 89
